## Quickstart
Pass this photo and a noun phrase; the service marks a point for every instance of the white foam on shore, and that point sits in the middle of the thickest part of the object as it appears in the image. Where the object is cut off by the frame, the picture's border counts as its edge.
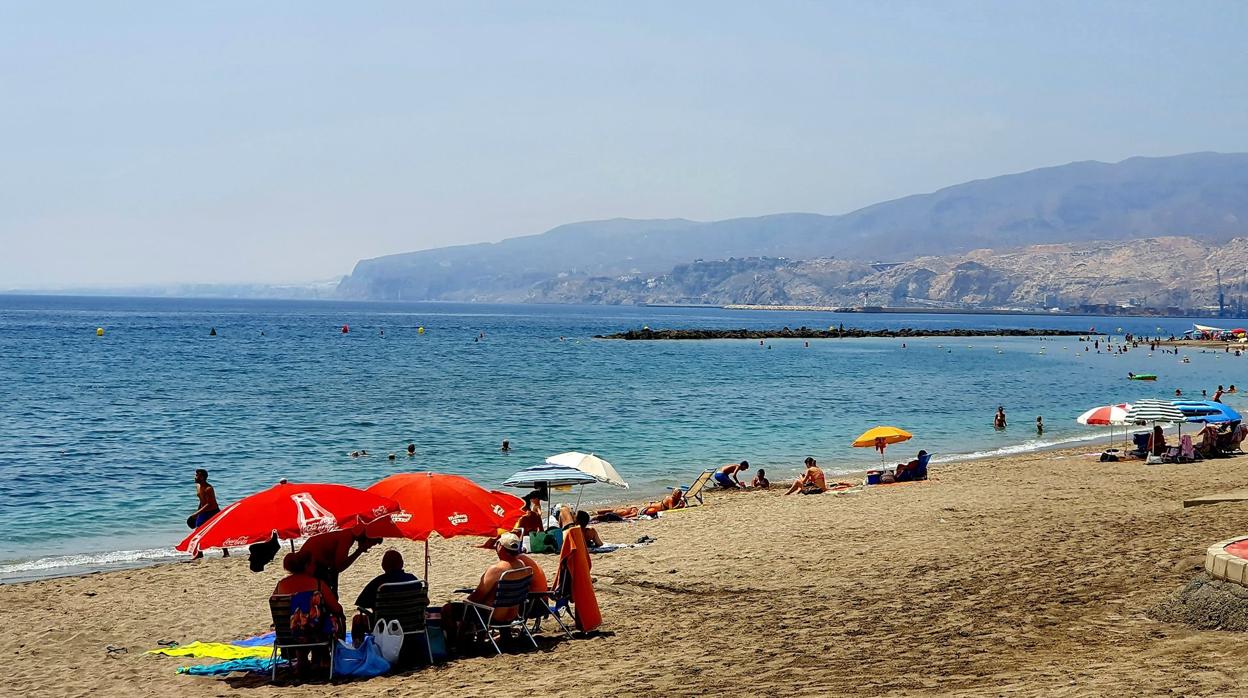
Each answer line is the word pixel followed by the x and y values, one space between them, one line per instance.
pixel 1027 447
pixel 62 565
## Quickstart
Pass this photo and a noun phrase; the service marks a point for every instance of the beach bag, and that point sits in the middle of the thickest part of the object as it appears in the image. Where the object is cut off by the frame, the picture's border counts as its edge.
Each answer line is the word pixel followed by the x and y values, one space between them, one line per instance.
pixel 389 639
pixel 437 641
pixel 1109 456
pixel 364 661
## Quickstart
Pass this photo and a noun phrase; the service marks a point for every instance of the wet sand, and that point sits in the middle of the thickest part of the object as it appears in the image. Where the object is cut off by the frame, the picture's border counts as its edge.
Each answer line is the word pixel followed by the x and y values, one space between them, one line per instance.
pixel 1027 575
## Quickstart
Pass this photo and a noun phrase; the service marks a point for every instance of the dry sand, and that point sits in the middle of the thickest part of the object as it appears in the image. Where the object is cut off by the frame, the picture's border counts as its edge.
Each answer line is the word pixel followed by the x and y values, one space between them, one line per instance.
pixel 1031 575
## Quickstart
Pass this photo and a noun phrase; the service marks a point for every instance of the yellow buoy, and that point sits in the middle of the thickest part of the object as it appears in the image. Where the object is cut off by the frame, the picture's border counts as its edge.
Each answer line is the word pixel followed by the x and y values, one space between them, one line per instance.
pixel 420 330
pixel 99 332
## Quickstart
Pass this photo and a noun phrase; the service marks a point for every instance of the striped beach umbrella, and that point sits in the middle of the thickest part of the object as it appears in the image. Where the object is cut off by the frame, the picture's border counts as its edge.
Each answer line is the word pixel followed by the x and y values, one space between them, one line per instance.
pixel 1105 415
pixel 1154 411
pixel 550 476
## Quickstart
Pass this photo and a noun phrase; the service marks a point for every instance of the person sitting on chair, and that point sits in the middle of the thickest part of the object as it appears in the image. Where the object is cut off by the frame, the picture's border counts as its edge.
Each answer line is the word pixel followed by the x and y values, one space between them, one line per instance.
pixel 392 573
pixel 315 614
pixel 914 470
pixel 456 623
pixel 1157 445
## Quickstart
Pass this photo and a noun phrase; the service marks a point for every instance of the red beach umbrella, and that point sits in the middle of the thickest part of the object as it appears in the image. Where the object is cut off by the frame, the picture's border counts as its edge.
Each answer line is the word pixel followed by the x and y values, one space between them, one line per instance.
pixel 1105 415
pixel 291 511
pixel 448 505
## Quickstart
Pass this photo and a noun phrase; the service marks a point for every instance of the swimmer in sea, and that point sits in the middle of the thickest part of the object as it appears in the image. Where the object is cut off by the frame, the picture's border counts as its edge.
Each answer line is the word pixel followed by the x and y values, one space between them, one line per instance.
pixel 411 450
pixel 506 447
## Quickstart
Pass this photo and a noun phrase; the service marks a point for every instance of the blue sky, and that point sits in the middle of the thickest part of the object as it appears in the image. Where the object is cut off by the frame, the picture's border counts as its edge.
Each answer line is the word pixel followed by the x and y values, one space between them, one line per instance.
pixel 282 141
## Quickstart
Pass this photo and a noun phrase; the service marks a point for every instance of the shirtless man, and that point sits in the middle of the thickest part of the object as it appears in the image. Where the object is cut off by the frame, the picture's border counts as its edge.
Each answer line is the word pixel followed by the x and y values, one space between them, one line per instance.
pixel 727 475
pixel 208 506
pixel 509 558
pixel 811 481
pixel 330 553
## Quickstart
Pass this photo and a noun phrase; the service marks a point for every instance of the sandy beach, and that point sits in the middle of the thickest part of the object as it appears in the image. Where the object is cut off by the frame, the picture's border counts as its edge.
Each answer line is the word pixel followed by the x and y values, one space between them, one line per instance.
pixel 1028 575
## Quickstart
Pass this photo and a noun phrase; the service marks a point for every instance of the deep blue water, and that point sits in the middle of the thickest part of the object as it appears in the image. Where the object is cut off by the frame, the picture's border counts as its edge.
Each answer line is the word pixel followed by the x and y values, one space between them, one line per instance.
pixel 99 435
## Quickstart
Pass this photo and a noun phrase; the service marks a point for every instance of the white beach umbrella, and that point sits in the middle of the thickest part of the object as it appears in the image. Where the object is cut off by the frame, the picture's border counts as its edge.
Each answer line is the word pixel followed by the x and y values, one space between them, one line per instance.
pixel 591 465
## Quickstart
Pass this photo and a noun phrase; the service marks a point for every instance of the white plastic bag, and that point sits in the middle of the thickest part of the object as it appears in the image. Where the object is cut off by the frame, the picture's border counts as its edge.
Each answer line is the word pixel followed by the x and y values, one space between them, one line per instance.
pixel 389 639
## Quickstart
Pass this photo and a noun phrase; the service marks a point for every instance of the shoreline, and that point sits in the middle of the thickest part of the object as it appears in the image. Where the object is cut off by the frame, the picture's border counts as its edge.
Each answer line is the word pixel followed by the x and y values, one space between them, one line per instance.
pixel 158 556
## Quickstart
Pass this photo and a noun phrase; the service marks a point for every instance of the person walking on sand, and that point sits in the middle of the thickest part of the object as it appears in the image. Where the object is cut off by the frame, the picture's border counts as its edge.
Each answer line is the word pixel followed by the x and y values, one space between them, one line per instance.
pixel 727 477
pixel 811 482
pixel 208 506
pixel 998 422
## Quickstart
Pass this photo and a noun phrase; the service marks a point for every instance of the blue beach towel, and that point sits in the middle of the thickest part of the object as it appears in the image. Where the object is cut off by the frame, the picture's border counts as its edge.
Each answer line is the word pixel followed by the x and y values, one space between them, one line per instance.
pixel 264 640
pixel 250 664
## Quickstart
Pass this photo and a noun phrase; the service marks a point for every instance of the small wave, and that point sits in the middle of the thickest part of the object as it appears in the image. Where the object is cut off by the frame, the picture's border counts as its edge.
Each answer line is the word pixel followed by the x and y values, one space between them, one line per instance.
pixel 1024 447
pixel 61 565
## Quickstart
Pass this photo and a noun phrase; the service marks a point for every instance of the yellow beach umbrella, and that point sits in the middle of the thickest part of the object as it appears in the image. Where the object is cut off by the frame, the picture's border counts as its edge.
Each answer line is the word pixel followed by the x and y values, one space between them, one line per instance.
pixel 879 437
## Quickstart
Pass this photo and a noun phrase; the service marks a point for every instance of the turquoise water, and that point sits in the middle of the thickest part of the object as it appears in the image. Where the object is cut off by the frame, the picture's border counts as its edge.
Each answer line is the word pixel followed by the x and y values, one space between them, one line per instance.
pixel 99 435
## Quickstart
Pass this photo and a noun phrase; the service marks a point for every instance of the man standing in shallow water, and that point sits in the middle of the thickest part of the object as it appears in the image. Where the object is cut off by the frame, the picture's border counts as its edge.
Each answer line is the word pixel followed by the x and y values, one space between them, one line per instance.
pixel 208 506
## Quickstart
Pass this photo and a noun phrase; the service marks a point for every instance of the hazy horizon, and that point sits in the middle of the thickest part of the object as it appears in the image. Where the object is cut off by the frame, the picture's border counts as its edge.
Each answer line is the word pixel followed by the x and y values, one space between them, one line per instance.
pixel 282 143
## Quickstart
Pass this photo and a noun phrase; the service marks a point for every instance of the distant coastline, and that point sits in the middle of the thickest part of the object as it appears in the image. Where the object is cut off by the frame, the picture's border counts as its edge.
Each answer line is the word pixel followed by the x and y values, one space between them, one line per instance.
pixel 832 333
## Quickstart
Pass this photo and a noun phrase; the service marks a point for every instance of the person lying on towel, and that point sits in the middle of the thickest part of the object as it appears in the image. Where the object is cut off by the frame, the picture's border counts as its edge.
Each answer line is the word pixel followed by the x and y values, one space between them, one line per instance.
pixel 675 500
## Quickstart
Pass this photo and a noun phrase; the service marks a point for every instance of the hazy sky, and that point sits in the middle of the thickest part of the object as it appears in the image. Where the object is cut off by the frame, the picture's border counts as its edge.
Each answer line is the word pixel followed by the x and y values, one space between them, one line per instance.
pixel 282 141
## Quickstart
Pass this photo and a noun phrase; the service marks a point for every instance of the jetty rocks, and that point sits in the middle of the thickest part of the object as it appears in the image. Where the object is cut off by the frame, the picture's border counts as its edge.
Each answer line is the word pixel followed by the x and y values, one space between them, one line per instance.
pixel 835 333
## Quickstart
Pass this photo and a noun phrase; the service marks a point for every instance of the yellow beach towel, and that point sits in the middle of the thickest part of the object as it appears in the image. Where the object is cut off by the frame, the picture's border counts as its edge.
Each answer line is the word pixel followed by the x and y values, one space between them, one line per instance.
pixel 214 650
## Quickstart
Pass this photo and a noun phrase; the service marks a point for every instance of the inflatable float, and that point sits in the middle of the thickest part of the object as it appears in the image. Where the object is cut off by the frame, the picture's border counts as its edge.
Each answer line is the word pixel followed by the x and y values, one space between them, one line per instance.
pixel 1142 376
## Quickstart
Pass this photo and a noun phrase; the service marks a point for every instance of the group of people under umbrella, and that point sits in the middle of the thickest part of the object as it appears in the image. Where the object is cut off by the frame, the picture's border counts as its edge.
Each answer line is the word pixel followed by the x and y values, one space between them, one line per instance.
pixel 1221 429
pixel 333 518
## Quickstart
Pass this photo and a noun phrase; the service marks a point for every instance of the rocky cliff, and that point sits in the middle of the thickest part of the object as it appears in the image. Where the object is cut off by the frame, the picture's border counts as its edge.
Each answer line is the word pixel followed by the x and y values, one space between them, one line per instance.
pixel 1153 272
pixel 1200 195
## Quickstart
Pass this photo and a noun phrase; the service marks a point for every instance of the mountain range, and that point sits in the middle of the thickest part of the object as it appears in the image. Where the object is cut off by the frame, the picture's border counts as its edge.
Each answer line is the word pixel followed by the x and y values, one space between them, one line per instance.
pixel 1202 197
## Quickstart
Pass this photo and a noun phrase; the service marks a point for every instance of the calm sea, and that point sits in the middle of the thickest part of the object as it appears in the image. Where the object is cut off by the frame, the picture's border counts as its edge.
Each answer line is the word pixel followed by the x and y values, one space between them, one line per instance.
pixel 99 435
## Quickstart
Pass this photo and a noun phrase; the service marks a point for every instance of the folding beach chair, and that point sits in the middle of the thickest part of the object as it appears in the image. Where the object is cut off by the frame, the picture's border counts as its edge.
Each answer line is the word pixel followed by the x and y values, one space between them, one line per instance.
pixel 284 637
pixel 694 491
pixel 512 592
pixel 405 602
pixel 922 469
pixel 552 603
